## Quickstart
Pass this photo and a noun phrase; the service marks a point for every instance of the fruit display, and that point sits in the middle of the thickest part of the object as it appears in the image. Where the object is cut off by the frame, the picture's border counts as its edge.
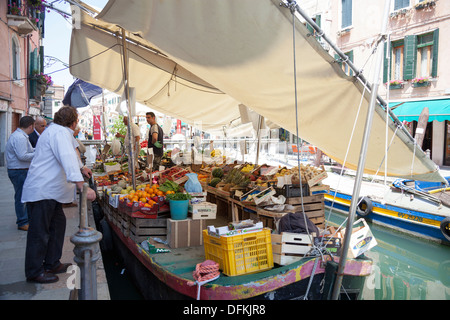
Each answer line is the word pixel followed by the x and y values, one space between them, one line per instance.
pixel 248 168
pixel 174 174
pixel 217 173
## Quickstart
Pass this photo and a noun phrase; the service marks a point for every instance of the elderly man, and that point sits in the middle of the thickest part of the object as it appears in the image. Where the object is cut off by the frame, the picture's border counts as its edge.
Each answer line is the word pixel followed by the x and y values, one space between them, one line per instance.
pixel 19 154
pixel 54 173
pixel 39 127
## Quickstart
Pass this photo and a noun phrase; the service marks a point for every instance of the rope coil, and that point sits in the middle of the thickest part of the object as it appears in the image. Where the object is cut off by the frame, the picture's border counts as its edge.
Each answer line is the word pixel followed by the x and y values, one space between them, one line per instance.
pixel 204 272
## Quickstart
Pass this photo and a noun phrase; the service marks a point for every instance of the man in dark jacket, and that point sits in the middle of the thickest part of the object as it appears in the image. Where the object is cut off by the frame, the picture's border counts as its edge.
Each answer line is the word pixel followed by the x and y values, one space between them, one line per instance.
pixel 39 127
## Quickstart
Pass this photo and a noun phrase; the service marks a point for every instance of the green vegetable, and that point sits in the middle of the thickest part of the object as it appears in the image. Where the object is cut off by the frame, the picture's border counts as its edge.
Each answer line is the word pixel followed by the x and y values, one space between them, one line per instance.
pixel 169 186
pixel 214 182
pixel 179 196
pixel 217 173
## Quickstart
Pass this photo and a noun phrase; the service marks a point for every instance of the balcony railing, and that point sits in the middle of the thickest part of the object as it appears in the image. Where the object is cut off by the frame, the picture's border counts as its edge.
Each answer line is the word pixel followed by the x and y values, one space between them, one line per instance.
pixel 24 16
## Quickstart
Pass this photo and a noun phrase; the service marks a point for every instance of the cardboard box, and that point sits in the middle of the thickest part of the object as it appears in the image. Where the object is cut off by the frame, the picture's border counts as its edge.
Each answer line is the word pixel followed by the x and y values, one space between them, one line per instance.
pixel 112 168
pixel 114 200
pixel 185 233
pixel 203 210
pixel 361 240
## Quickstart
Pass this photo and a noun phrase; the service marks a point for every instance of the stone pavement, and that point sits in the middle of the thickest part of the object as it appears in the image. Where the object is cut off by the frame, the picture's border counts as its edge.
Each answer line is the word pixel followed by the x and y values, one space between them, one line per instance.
pixel 13 284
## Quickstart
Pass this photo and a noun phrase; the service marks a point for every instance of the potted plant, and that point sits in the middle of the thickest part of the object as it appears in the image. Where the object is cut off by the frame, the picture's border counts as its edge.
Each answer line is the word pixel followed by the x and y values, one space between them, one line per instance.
pixel 421 82
pixel 425 4
pixel 14 9
pixel 395 84
pixel 178 203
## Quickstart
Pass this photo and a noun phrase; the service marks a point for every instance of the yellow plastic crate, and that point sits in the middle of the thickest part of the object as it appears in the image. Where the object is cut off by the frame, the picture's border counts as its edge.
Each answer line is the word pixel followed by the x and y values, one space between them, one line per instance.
pixel 240 254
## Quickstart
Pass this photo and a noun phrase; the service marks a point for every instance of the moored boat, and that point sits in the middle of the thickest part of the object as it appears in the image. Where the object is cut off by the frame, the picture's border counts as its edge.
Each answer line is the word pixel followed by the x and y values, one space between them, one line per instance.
pixel 169 275
pixel 419 213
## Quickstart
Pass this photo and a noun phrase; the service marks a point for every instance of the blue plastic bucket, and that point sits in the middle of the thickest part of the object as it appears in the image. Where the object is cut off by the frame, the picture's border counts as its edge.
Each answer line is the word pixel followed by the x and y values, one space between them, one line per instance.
pixel 178 209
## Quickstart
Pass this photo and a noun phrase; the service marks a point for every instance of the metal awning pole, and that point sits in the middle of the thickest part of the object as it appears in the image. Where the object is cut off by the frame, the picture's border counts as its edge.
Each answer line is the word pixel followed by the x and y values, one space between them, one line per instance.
pixel 131 157
pixel 258 144
pixel 362 158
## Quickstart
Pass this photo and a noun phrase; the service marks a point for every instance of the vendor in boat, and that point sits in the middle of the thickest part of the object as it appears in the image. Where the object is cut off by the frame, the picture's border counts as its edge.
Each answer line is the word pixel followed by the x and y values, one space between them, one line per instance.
pixel 155 140
pixel 135 138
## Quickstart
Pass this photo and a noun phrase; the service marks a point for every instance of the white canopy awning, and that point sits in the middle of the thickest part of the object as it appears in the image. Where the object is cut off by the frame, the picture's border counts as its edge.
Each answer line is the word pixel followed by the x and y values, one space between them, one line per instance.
pixel 210 56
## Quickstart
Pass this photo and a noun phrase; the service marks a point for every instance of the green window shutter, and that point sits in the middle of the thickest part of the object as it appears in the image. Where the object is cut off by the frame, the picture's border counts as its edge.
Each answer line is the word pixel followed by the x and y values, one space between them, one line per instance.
pixel 350 57
pixel 410 57
pixel 435 53
pixel 386 68
pixel 338 59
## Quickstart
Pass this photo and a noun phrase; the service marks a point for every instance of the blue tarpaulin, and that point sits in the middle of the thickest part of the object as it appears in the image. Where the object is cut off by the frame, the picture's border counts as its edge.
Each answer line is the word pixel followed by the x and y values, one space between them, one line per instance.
pixel 80 94
pixel 410 110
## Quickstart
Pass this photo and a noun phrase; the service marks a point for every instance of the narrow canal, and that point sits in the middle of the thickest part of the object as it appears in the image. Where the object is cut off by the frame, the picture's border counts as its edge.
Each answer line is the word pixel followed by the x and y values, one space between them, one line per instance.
pixel 405 268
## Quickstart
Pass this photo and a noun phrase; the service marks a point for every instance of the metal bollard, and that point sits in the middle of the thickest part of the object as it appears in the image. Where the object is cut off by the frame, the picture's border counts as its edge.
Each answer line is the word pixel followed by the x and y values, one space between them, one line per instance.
pixel 86 252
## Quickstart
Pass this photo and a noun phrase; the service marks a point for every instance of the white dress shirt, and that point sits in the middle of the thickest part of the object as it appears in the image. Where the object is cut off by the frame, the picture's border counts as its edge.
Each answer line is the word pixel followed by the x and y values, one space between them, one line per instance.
pixel 18 150
pixel 54 168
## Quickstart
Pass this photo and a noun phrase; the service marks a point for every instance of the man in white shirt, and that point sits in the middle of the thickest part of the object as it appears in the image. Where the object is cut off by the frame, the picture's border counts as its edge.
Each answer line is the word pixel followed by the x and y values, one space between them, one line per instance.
pixel 52 177
pixel 19 153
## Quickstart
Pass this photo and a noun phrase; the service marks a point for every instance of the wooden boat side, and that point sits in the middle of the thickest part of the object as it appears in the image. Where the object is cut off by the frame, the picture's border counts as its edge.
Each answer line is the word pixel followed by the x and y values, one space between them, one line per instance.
pixel 238 287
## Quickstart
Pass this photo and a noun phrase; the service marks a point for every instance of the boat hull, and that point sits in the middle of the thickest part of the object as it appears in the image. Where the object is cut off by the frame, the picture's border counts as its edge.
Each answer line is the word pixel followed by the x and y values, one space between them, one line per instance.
pixel 156 282
pixel 423 224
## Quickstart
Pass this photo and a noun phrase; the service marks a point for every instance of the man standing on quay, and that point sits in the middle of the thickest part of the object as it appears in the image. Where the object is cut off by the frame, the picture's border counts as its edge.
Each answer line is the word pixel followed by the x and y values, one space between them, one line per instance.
pixel 39 127
pixel 19 153
pixel 51 181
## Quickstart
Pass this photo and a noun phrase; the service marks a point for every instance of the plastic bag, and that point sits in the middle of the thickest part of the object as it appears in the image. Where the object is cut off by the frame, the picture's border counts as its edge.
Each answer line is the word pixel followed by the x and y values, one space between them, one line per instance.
pixel 193 185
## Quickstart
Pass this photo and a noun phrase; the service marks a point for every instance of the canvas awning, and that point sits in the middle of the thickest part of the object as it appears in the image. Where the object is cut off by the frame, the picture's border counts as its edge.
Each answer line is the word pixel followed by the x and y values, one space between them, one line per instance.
pixel 208 57
pixel 410 111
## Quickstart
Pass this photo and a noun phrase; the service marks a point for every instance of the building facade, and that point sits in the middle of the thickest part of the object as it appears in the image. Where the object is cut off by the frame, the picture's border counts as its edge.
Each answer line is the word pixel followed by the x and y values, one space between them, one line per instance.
pixel 415 69
pixel 21 64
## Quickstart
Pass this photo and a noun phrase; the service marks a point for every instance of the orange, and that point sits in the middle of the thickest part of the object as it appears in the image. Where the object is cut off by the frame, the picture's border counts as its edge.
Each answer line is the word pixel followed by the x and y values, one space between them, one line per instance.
pixel 143 200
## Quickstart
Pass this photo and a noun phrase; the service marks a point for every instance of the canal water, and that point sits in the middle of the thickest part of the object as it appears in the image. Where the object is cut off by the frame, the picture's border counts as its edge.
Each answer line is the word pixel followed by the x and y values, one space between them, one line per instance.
pixel 404 267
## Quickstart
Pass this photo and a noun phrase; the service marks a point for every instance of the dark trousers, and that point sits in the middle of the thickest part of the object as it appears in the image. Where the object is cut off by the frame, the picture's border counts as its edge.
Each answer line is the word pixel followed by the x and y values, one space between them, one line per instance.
pixel 45 237
pixel 17 177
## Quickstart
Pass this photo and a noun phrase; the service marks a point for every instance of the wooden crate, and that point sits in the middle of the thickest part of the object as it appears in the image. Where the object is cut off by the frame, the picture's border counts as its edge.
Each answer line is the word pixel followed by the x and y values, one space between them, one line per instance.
pixel 140 229
pixel 314 207
pixel 289 247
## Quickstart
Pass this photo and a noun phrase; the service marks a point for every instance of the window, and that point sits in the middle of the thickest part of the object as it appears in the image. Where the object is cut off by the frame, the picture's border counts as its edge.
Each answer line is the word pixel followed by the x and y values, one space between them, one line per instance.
pixel 400 4
pixel 345 67
pixel 424 55
pixel 15 54
pixel 346 13
pixel 414 56
pixel 397 60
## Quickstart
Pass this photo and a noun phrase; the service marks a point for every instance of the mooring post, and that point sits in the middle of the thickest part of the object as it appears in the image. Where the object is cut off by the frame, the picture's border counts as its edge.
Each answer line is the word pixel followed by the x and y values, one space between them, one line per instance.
pixel 86 252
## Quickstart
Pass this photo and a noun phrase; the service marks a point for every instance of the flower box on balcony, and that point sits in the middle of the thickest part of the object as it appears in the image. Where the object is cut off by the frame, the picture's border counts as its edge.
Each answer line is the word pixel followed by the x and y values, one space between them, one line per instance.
pixel 425 4
pixel 395 84
pixel 420 82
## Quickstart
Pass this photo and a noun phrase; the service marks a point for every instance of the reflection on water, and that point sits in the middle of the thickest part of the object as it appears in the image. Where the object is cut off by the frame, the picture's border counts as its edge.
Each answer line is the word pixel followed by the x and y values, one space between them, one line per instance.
pixel 405 267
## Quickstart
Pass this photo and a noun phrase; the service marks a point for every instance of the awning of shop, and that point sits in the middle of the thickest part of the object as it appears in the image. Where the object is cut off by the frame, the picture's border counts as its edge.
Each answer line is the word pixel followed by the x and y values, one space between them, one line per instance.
pixel 409 111
pixel 239 52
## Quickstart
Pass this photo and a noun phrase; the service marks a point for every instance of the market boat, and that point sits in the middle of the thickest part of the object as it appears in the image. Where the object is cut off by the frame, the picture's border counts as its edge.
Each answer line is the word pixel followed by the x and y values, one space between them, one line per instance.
pixel 410 206
pixel 169 275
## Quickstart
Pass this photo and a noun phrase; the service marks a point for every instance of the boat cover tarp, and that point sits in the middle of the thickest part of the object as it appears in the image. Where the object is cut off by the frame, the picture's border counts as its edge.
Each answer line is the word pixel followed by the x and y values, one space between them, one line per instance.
pixel 210 56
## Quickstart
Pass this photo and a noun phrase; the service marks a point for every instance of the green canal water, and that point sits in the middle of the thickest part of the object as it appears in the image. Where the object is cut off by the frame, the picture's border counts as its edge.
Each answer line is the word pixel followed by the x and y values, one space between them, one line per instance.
pixel 405 267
